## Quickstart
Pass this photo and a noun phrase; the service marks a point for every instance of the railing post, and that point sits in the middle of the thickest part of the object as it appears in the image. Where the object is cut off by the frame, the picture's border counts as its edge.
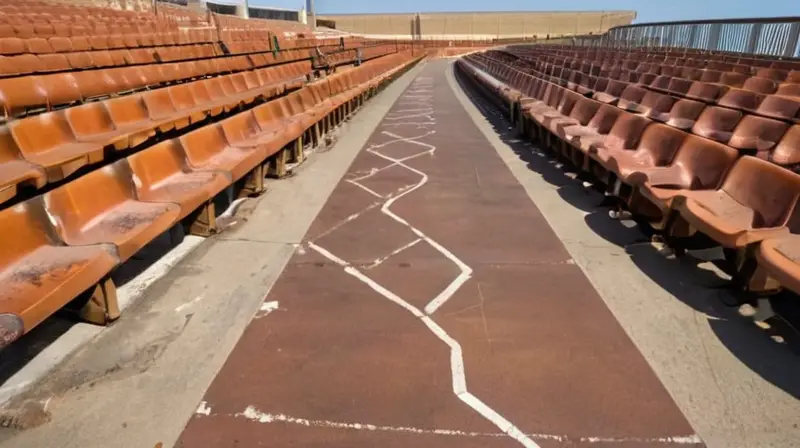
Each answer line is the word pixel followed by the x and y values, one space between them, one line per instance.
pixel 755 35
pixel 693 36
pixel 713 36
pixel 791 40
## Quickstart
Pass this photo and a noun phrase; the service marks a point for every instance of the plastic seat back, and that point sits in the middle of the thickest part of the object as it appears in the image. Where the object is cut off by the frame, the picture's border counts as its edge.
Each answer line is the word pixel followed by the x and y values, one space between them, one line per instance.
pixel 759 134
pixel 159 104
pixel 240 127
pixel 95 83
pixel 127 110
pixel 157 163
pixel 40 133
pixel 684 114
pixel 703 91
pixel 631 97
pixel 661 142
pixel 182 97
pixel 74 205
pixel 89 120
pixel 769 190
pixel 717 123
pixel 604 119
pixel 732 79
pixel 760 85
pixel 203 144
pixel 267 115
pixel 787 152
pixel 19 94
pixel 780 107
pixel 741 99
pixel 704 163
pixel 31 229
pixel 584 109
pixel 626 131
pixel 214 88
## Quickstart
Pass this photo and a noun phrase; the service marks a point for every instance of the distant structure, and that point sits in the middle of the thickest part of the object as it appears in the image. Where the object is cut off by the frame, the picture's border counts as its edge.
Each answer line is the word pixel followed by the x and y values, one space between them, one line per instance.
pixel 479 25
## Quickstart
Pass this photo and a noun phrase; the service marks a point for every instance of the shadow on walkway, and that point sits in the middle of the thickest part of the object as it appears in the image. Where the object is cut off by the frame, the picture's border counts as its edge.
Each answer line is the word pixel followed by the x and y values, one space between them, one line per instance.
pixel 697 284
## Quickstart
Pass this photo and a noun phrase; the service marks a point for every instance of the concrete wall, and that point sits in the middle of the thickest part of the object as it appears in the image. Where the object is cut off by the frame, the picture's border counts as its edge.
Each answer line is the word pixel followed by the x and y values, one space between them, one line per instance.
pixel 482 25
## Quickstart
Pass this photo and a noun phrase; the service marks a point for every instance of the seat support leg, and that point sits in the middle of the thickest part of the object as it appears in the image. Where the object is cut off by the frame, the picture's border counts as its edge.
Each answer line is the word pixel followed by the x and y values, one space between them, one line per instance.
pixel 254 182
pixel 297 155
pixel 102 306
pixel 317 134
pixel 205 224
pixel 277 164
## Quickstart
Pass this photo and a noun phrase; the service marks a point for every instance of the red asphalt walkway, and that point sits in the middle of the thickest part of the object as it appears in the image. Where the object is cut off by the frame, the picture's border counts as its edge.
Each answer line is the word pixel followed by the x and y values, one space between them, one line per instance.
pixel 431 305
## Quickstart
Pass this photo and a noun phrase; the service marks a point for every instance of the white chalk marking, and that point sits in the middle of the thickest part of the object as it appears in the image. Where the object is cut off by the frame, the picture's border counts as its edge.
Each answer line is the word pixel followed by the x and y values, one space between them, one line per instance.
pixel 188 304
pixel 203 409
pixel 456 356
pixel 253 414
pixel 379 261
pixel 410 124
pixel 367 189
pixel 346 220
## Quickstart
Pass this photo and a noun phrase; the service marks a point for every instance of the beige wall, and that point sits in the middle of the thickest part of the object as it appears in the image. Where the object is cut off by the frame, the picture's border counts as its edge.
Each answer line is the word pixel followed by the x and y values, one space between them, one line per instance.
pixel 484 25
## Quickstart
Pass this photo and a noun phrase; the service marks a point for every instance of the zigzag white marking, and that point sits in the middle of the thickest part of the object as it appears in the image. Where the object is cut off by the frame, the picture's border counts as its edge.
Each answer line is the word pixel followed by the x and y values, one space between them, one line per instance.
pixel 459 381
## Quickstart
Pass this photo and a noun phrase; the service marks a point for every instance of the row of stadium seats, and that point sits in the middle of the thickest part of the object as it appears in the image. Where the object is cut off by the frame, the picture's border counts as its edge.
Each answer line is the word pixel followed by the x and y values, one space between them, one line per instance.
pixel 755 124
pixel 68 241
pixel 686 185
pixel 691 57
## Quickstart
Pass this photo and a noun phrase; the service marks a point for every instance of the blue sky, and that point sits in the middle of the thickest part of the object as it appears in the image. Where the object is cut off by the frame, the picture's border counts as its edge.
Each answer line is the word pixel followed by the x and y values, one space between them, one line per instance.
pixel 649 10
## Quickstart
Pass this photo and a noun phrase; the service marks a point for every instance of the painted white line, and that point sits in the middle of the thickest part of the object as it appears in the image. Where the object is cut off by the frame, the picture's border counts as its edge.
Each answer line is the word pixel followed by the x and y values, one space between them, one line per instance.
pixel 253 414
pixel 410 124
pixel 379 261
pixel 466 271
pixel 428 115
pixel 368 190
pixel 346 220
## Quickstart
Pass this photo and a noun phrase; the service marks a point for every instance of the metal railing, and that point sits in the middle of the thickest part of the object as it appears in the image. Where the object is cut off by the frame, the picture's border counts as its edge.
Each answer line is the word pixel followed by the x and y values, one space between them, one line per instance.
pixel 779 36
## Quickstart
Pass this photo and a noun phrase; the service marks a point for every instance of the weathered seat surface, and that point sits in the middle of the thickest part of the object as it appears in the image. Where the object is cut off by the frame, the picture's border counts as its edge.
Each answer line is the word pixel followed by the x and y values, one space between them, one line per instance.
pixel 38 273
pixel 102 207
pixel 755 202
pixel 162 175
pixel 208 149
pixel 14 171
pixel 47 140
pixel 781 259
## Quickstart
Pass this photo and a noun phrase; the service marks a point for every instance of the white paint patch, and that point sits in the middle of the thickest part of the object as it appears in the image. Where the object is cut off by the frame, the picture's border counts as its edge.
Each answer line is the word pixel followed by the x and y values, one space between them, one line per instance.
pixel 268 307
pixel 188 304
pixel 253 414
pixel 368 190
pixel 203 409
